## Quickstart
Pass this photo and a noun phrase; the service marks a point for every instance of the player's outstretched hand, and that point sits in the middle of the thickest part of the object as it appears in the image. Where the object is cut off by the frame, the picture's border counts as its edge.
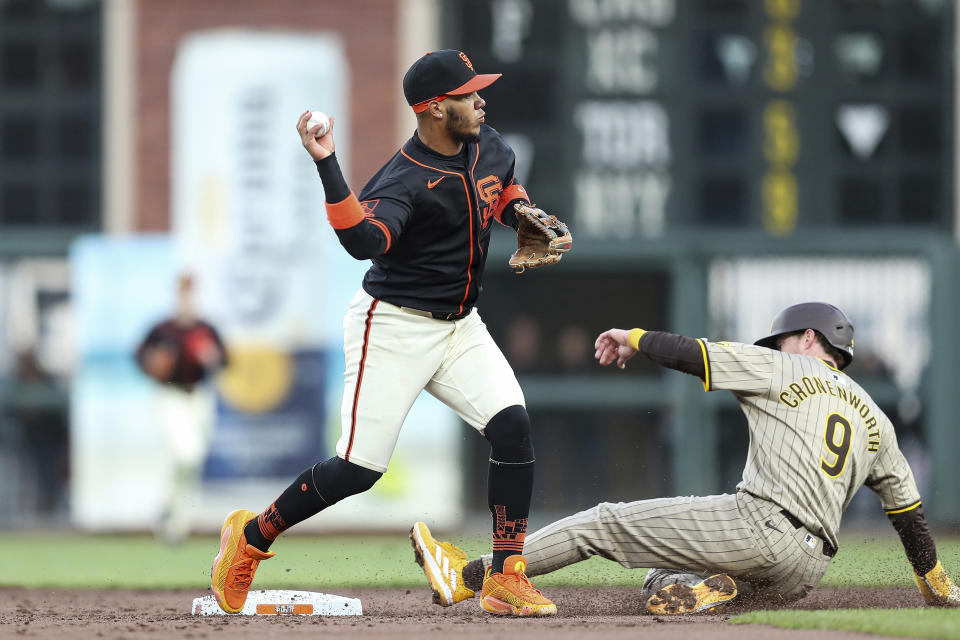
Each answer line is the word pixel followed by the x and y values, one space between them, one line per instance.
pixel 937 588
pixel 612 345
pixel 318 148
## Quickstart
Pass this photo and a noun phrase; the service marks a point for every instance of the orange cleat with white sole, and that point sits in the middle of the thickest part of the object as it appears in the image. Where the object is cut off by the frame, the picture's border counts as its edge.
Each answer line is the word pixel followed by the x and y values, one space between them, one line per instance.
pixel 234 567
pixel 512 593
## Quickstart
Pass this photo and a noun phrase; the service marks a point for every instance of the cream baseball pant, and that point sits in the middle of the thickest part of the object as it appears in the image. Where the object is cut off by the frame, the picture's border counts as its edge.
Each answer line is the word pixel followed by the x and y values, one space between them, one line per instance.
pixel 686 539
pixel 187 419
pixel 393 354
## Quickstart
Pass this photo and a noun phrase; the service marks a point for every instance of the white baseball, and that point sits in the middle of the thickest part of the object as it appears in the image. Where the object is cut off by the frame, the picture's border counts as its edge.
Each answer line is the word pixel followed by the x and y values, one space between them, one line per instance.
pixel 319 118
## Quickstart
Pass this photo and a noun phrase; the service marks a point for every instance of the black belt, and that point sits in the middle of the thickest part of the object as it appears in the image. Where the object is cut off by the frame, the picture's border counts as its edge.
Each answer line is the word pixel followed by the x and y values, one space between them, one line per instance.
pixel 436 315
pixel 828 549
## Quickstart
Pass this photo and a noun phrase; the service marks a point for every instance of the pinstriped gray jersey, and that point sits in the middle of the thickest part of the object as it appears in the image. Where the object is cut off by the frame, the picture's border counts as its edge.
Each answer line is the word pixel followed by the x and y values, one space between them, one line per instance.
pixel 815 435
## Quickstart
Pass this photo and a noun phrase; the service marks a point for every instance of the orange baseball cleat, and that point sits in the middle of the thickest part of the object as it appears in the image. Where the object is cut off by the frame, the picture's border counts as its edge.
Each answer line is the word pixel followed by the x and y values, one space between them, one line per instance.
pixel 512 593
pixel 234 567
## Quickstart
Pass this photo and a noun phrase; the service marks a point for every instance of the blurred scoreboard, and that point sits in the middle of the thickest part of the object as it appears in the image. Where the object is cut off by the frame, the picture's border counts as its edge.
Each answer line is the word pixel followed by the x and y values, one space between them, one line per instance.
pixel 636 117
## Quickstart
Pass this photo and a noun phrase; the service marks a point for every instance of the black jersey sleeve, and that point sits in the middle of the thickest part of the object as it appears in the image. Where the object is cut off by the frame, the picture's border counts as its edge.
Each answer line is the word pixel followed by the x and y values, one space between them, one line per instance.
pixel 218 341
pixel 505 213
pixel 151 339
pixel 368 228
pixel 513 192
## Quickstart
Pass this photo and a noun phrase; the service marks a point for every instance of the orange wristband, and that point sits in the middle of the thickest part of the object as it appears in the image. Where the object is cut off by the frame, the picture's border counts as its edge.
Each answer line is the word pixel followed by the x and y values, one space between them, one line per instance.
pixel 346 213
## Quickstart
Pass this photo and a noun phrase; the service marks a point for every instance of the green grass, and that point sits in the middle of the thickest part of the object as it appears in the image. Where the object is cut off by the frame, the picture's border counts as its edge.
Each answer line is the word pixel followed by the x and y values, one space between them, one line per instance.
pixel 880 562
pixel 332 562
pixel 913 623
pixel 142 563
pixel 139 562
pixel 61 560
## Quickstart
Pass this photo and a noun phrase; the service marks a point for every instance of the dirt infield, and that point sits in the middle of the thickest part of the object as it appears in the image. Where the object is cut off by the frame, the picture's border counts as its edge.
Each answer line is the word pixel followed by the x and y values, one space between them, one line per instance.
pixel 393 613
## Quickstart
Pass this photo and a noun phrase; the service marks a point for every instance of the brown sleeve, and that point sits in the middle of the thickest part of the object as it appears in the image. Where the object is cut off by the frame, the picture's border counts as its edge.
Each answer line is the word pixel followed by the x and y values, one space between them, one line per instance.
pixel 915 536
pixel 674 352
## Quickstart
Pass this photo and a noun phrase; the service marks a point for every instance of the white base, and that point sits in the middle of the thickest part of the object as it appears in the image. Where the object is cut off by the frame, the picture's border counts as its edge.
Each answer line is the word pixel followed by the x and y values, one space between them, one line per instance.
pixel 283 602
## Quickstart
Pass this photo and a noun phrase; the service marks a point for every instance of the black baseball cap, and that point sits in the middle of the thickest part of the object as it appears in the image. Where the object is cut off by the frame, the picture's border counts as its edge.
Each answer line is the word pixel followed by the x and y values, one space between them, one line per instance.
pixel 438 74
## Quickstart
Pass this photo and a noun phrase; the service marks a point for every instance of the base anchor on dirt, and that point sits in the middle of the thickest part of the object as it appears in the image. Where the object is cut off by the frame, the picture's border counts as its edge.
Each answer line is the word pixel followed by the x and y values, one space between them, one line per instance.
pixel 283 602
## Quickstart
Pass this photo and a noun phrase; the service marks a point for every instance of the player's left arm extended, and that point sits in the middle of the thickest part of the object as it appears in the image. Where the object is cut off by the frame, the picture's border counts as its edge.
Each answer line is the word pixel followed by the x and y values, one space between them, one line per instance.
pixel 935 585
pixel 666 349
pixel 893 482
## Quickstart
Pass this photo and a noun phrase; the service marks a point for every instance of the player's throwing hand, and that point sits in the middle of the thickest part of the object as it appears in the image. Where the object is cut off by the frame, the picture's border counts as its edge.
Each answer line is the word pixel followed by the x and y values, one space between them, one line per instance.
pixel 318 148
pixel 613 344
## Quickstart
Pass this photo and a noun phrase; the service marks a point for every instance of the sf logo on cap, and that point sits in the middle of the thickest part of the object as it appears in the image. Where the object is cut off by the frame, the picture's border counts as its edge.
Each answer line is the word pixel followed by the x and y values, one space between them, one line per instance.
pixel 466 61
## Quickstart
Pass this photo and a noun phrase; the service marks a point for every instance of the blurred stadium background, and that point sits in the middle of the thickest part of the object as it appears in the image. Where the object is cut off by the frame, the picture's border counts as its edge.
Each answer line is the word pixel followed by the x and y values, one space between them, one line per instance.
pixel 716 160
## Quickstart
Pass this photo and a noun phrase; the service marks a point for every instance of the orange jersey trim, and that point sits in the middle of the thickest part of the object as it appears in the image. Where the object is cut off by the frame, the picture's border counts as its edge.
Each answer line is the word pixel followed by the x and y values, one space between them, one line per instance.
pixel 346 213
pixel 511 193
pixel 384 229
pixel 476 194
pixel 476 158
pixel 466 191
pixel 356 391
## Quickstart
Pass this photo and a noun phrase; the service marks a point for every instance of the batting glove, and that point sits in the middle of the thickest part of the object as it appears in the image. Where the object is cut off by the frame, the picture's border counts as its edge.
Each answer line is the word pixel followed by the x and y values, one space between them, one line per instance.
pixel 937 588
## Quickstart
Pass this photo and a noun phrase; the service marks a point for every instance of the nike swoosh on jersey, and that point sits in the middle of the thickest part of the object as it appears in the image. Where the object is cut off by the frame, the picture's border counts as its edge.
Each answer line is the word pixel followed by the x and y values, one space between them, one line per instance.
pixel 769 523
pixel 432 183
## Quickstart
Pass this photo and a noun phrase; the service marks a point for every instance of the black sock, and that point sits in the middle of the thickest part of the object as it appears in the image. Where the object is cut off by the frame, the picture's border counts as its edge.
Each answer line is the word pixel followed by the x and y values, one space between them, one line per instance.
pixel 314 490
pixel 473 575
pixel 298 502
pixel 509 487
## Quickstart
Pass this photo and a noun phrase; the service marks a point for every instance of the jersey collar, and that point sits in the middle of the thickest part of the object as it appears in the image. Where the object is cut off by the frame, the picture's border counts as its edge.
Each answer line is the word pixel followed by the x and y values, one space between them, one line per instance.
pixel 829 366
pixel 416 148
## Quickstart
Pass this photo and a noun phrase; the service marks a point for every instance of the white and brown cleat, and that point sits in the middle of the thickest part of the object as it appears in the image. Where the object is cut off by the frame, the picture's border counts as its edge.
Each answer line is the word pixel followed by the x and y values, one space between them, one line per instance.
pixel 678 599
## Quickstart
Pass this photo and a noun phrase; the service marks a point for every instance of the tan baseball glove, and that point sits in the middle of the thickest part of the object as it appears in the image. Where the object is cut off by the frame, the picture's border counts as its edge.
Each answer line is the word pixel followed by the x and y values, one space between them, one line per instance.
pixel 541 238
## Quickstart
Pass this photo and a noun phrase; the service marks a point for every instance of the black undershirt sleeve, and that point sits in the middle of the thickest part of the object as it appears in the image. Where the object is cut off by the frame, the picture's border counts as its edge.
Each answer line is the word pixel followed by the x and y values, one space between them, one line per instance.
pixel 674 352
pixel 509 216
pixel 335 188
pixel 916 539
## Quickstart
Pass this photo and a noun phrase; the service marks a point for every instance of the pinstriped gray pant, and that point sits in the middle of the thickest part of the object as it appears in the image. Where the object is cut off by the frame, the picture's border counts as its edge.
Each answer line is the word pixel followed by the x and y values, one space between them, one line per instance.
pixel 743 536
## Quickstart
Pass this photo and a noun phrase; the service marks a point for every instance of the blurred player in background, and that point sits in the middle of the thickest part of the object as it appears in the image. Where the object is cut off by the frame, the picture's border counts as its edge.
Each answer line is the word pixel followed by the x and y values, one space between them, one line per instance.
pixel 424 220
pixel 182 353
pixel 816 437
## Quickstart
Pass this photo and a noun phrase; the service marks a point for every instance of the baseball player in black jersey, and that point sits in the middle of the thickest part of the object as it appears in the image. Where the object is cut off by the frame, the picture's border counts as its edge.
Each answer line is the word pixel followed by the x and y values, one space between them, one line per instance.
pixel 816 437
pixel 424 221
pixel 182 353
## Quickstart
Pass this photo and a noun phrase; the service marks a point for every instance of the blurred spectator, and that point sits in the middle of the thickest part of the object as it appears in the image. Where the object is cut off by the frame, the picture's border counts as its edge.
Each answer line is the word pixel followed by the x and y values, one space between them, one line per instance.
pixel 575 350
pixel 181 354
pixel 43 441
pixel 869 365
pixel 523 344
